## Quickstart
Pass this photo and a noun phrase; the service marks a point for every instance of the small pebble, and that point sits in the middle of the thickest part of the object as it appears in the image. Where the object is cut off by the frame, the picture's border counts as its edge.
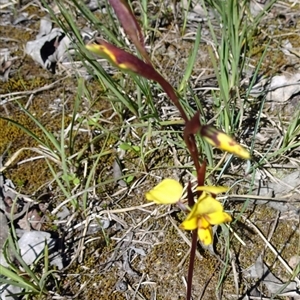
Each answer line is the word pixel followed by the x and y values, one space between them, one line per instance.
pixel 121 286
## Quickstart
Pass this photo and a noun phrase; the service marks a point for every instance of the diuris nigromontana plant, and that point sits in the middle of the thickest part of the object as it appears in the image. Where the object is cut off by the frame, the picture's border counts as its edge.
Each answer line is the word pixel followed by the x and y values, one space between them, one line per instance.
pixel 206 211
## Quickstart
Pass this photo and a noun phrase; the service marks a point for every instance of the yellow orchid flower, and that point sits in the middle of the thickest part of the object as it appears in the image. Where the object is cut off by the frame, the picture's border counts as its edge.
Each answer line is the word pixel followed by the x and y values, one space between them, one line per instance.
pixel 205 213
pixel 167 191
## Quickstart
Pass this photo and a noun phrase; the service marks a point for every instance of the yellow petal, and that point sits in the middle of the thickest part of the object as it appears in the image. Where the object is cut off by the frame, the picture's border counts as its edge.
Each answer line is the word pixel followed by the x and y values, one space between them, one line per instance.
pixel 193 213
pixel 189 224
pixel 207 205
pixel 203 223
pixel 205 235
pixel 167 191
pixel 103 51
pixel 218 218
pixel 213 189
pixel 115 55
pixel 223 141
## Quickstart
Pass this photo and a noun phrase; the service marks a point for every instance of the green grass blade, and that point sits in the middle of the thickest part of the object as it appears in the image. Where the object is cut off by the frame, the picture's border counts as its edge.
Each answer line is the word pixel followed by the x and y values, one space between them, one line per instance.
pixel 191 61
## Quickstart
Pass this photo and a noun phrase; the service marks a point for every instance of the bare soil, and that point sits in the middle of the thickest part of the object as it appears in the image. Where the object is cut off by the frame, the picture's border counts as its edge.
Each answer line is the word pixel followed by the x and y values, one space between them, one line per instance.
pixel 143 254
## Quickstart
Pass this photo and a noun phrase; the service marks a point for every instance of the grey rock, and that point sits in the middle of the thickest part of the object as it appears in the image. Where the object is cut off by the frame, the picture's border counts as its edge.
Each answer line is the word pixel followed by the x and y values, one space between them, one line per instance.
pixel 274 285
pixel 3 236
pixel 7 292
pixel 32 244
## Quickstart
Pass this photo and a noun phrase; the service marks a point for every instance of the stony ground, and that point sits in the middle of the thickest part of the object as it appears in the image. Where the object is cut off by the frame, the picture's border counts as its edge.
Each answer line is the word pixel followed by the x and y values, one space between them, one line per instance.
pixel 135 250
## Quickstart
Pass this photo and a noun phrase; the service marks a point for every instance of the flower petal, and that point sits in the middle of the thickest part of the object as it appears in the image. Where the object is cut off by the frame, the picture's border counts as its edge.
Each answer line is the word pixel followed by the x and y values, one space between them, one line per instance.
pixel 205 235
pixel 223 141
pixel 218 218
pixel 189 224
pixel 130 25
pixel 167 191
pixel 203 223
pixel 124 60
pixel 213 189
pixel 206 205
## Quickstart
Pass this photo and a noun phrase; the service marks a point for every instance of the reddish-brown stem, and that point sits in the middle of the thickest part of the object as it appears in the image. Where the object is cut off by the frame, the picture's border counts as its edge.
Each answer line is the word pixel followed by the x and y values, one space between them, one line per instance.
pixel 192 127
pixel 193 247
pixel 172 94
pixel 191 265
